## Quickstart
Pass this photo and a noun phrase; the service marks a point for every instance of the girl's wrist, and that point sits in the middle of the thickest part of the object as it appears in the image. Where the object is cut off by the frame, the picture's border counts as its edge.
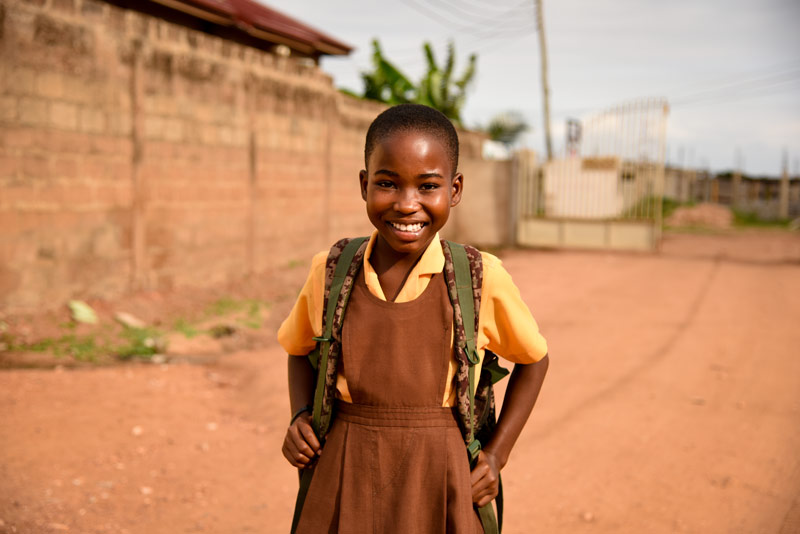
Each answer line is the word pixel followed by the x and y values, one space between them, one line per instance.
pixel 499 458
pixel 301 411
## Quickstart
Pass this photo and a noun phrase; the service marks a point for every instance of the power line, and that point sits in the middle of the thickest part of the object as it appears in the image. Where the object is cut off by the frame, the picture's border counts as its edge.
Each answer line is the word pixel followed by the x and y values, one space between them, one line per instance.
pixel 479 4
pixel 496 29
pixel 727 89
pixel 723 99
pixel 474 46
pixel 481 16
pixel 476 28
pixel 744 81
pixel 714 82
pixel 732 89
pixel 505 34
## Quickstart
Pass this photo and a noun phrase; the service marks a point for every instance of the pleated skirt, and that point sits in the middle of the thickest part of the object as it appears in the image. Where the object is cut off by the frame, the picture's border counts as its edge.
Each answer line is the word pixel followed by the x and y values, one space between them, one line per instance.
pixel 391 470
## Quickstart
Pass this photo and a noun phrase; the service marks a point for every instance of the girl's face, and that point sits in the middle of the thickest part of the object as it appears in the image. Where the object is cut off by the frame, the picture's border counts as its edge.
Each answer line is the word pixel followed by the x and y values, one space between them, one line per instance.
pixel 409 188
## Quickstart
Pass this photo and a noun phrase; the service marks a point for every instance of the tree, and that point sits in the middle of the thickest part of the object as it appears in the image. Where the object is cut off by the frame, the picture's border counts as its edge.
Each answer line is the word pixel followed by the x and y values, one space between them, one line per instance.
pixel 437 89
pixel 507 127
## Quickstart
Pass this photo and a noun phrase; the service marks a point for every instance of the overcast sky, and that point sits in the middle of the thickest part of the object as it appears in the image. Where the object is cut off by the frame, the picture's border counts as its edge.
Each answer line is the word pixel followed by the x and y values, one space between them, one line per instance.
pixel 729 68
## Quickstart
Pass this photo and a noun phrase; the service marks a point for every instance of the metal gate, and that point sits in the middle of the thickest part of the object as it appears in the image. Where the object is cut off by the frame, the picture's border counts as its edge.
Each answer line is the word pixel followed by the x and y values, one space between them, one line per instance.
pixel 606 190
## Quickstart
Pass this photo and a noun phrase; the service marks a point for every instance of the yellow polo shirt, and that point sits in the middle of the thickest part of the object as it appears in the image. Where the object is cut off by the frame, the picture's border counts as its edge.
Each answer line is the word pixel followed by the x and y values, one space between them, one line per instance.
pixel 506 326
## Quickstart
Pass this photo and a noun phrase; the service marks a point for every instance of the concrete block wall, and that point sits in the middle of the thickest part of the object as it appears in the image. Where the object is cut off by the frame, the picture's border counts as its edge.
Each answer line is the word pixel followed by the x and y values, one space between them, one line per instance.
pixel 65 151
pixel 484 216
pixel 139 154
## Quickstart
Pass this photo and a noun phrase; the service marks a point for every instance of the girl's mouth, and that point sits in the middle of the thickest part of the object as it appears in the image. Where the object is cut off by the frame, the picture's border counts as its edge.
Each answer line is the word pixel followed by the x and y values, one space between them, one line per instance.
pixel 413 228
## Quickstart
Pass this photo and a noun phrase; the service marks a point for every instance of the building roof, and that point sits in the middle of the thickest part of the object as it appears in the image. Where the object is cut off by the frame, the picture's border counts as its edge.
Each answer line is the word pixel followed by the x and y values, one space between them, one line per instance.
pixel 262 23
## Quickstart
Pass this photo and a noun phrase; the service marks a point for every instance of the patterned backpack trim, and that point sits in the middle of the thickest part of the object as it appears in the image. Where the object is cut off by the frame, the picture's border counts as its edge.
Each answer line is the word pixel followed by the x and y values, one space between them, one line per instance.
pixel 335 346
pixel 459 334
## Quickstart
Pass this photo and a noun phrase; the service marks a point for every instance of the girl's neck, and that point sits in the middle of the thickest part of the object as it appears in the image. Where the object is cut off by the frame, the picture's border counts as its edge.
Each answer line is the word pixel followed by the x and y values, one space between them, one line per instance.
pixel 392 267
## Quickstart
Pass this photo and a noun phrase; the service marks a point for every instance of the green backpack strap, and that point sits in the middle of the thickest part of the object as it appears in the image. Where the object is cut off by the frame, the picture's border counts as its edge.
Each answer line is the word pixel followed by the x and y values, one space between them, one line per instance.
pixel 342 267
pixel 463 276
pixel 320 361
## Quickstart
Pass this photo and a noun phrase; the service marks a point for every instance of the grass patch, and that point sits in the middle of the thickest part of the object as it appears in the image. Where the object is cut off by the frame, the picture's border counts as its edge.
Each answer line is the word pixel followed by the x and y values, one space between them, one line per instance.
pixel 110 341
pixel 254 317
pixel 186 328
pixel 82 348
pixel 86 348
pixel 223 306
pixel 247 310
pixel 646 208
pixel 253 323
pixel 749 219
pixel 228 305
pixel 140 343
pixel 129 343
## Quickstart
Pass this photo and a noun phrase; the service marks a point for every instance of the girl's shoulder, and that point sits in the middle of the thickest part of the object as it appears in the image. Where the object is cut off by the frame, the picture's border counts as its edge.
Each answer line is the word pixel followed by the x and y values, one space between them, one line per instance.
pixel 319 263
pixel 495 276
pixel 493 266
pixel 490 261
pixel 318 260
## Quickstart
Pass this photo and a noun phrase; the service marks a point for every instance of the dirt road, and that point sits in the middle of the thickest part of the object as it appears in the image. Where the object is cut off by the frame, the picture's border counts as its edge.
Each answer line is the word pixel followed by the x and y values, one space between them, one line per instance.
pixel 672 405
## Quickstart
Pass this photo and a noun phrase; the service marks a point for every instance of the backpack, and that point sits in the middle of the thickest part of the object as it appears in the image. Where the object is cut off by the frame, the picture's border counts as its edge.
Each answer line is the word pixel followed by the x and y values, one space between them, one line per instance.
pixel 463 272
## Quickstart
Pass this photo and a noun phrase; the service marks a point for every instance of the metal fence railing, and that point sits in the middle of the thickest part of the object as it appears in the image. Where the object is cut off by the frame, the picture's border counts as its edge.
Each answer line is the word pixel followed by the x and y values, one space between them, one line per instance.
pixel 611 169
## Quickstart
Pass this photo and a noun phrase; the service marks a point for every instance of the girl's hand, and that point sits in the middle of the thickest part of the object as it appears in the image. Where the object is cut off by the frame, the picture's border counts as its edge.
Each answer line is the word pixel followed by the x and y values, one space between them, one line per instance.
pixel 301 446
pixel 485 478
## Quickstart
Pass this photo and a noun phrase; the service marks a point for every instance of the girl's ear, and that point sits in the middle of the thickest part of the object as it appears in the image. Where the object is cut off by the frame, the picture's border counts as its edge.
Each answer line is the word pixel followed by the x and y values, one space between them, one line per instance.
pixel 363 179
pixel 456 187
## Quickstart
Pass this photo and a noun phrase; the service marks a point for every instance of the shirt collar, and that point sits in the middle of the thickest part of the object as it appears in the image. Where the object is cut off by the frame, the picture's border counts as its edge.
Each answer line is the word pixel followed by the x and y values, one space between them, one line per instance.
pixel 431 262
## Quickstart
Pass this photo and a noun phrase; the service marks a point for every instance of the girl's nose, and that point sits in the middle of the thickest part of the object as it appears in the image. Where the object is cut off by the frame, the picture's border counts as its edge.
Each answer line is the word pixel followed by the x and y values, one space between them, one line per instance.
pixel 407 201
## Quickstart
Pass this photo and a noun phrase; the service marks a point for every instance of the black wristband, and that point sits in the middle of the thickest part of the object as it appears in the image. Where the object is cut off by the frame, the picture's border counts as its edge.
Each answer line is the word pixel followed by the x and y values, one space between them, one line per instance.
pixel 306 408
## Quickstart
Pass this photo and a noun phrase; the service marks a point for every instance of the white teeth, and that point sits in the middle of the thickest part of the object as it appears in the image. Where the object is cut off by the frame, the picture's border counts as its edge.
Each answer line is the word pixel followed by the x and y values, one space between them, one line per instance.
pixel 416 227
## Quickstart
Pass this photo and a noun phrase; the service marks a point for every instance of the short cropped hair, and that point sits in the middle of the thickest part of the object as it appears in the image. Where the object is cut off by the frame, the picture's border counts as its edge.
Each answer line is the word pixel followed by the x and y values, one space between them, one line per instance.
pixel 413 118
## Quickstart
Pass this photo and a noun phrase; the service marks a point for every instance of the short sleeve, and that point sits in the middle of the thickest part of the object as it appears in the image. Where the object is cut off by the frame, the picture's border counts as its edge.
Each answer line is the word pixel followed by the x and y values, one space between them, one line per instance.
pixel 305 320
pixel 507 327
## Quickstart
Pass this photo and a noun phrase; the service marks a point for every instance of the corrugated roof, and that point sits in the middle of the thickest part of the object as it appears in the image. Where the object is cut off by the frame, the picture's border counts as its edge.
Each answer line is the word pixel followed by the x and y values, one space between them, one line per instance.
pixel 262 23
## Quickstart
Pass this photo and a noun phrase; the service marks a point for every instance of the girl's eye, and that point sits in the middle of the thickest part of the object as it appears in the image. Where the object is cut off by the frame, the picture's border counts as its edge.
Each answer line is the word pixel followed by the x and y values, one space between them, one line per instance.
pixel 429 186
pixel 385 184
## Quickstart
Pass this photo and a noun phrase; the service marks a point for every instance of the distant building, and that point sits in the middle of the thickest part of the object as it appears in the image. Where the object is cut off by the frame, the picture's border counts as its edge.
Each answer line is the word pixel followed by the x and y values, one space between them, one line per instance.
pixel 754 194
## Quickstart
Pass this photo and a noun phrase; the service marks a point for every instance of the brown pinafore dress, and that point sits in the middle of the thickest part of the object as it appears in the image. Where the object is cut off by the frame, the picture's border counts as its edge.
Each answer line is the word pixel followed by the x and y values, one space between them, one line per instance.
pixel 394 461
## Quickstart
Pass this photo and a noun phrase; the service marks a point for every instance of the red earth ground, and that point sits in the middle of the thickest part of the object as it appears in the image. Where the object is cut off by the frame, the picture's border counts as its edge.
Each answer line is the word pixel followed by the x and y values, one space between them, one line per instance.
pixel 672 405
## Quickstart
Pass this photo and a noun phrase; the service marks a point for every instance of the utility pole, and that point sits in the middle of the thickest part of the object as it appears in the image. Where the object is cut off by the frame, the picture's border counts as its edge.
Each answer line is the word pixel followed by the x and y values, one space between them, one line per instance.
pixel 545 88
pixel 693 192
pixel 736 181
pixel 783 195
pixel 682 190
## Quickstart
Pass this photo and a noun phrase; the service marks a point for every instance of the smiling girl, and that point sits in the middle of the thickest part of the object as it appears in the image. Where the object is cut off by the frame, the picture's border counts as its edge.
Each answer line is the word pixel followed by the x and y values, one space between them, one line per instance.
pixel 394 459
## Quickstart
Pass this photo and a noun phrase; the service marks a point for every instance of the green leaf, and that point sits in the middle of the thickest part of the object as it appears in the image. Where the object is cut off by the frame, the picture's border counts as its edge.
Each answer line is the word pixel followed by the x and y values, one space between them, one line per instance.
pixel 82 312
pixel 431 59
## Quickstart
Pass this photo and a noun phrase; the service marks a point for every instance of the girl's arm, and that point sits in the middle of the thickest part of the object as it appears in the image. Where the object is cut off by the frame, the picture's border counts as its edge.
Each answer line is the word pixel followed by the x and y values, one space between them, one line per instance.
pixel 300 446
pixel 521 393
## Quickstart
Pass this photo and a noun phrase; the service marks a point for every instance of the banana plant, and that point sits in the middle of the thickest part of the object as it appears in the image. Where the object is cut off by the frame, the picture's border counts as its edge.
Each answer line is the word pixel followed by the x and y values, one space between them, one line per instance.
pixel 386 83
pixel 437 89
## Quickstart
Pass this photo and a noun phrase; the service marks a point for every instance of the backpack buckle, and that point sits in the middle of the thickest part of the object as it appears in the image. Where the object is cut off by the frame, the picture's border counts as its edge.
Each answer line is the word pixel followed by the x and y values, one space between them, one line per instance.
pixel 473 449
pixel 472 353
